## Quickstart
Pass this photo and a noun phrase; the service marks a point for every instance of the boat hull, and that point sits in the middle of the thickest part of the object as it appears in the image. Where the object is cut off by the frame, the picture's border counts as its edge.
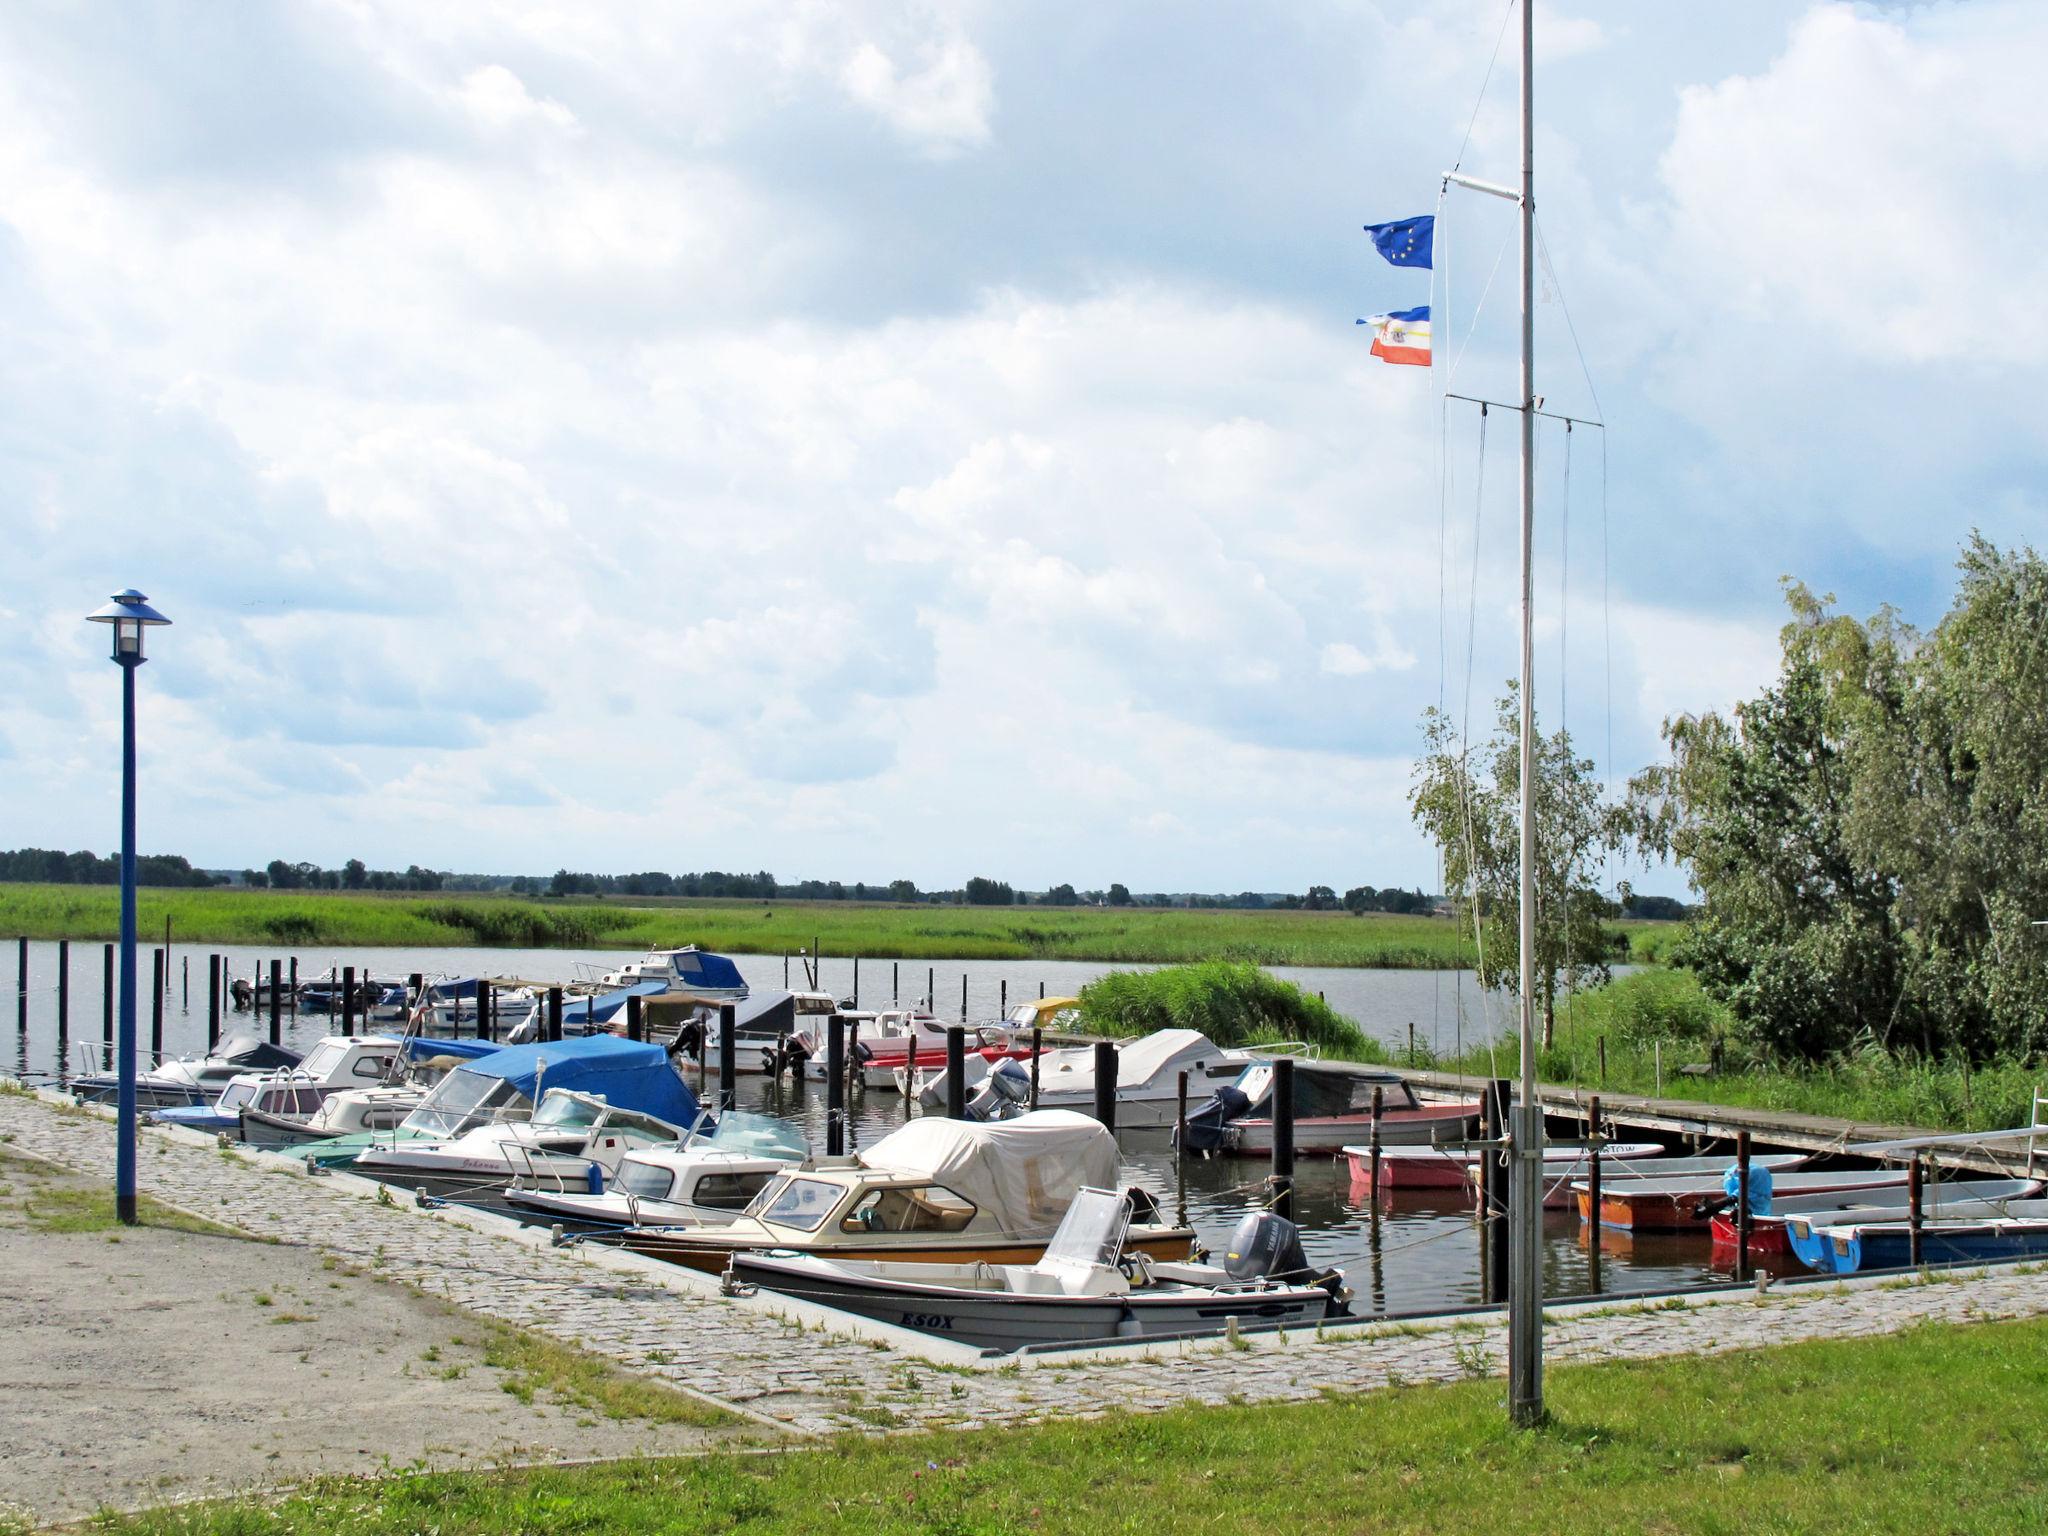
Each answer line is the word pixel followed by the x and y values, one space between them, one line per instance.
pixel 706 1252
pixel 1327 1137
pixel 1007 1322
pixel 1679 1210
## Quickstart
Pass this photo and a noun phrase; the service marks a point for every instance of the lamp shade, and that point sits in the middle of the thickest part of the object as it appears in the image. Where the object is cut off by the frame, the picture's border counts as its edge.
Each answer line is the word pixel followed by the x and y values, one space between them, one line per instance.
pixel 129 613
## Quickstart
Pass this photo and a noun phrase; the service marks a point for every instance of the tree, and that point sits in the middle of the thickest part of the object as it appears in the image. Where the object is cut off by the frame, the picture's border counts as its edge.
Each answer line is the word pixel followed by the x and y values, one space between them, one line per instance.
pixel 1119 895
pixel 1361 899
pixel 981 892
pixel 1061 896
pixel 1468 800
pixel 1867 833
pixel 283 876
pixel 1320 898
pixel 903 890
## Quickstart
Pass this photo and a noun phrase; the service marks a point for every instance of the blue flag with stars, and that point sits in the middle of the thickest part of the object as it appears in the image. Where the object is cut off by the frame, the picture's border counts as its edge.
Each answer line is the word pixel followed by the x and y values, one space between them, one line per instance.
pixel 1406 242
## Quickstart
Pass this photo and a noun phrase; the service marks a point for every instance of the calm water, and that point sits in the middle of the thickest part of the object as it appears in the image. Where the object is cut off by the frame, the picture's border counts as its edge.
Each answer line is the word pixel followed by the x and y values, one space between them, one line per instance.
pixel 1421 1253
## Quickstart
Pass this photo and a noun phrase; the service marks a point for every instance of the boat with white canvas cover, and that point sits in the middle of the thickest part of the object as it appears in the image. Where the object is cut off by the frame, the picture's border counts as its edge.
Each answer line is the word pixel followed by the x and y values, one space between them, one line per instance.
pixel 1085 1289
pixel 1148 1069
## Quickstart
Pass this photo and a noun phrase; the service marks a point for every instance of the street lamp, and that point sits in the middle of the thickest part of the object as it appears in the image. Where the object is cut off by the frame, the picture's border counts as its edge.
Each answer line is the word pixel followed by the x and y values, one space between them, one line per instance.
pixel 129 614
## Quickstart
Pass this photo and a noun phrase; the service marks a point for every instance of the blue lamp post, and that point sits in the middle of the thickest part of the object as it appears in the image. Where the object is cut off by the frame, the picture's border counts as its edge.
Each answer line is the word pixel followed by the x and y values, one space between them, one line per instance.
pixel 129 613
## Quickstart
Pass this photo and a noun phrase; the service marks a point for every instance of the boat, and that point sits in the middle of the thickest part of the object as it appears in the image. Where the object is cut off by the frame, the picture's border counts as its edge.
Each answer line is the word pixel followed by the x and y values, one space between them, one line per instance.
pixel 294 1092
pixel 195 1079
pixel 935 1190
pixel 1332 1108
pixel 1085 1289
pixel 2019 1231
pixel 1559 1193
pixel 1404 1168
pixel 903 1040
pixel 689 969
pixel 571 1141
pixel 1676 1204
pixel 707 1179
pixel 504 1083
pixel 423 1062
pixel 1148 1070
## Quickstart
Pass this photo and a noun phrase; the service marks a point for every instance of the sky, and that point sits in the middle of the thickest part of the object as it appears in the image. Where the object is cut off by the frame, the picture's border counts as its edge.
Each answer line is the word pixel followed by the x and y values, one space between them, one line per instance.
pixel 899 440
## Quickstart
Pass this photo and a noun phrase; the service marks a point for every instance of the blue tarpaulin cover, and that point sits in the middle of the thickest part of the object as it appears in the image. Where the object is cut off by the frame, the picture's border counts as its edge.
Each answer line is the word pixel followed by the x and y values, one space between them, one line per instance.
pixel 626 1073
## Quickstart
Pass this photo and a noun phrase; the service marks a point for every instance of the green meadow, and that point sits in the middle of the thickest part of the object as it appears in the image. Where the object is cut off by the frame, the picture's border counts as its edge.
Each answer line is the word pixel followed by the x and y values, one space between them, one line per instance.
pixel 1935 1429
pixel 869 929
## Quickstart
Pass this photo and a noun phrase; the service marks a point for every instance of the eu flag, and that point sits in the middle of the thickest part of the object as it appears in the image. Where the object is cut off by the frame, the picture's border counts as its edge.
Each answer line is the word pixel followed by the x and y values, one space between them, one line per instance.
pixel 1406 242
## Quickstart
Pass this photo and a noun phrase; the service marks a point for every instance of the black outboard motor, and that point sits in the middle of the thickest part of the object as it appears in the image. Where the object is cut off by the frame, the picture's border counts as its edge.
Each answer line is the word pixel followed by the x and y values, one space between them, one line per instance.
pixel 1267 1246
pixel 1003 1093
pixel 1209 1123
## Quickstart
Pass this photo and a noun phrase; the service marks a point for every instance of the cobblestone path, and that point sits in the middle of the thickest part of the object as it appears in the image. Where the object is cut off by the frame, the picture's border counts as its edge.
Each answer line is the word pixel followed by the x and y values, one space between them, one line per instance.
pixel 745 1357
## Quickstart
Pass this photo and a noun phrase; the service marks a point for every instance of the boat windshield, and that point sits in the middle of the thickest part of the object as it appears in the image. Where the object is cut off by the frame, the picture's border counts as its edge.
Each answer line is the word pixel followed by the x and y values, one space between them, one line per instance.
pixel 645 1181
pixel 323 1058
pixel 461 1100
pixel 562 1110
pixel 1092 1232
pixel 759 1136
pixel 236 1094
pixel 795 1202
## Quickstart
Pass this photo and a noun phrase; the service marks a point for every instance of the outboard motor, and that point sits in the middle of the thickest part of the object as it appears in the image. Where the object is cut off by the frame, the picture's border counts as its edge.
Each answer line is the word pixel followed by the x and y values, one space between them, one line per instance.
pixel 1209 1124
pixel 1267 1246
pixel 1003 1093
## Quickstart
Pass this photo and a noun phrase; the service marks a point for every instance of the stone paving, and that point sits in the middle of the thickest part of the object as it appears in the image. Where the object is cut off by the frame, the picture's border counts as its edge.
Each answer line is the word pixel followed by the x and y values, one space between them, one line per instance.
pixel 807 1381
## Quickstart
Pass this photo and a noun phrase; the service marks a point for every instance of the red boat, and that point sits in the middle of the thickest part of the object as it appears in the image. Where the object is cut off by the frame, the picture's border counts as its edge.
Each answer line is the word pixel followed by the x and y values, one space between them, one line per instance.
pixel 1673 1205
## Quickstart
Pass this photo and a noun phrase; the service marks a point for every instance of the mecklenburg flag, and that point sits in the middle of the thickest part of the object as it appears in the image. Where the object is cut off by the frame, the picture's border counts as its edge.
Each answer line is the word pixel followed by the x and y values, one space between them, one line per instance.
pixel 1406 242
pixel 1402 336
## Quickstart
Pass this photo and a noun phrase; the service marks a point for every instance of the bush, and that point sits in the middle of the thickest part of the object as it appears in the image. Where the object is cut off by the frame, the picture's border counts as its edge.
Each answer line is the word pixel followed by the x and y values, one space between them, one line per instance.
pixel 1233 1003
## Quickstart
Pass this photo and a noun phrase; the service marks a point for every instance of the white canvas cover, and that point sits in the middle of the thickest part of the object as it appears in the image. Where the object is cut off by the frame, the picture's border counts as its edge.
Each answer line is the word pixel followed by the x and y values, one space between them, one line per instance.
pixel 1161 1055
pixel 1023 1173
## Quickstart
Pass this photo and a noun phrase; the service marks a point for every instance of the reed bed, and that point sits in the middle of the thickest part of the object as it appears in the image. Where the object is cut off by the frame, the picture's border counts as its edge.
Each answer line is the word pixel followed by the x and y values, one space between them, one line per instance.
pixel 1231 1002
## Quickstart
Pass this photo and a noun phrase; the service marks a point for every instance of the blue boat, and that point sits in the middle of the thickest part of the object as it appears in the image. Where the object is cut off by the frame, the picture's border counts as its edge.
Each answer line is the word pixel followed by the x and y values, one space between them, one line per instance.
pixel 1956 1232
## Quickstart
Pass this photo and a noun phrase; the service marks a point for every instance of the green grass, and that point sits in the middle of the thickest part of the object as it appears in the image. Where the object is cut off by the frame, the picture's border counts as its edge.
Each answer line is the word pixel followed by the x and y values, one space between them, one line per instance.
pixel 1639 1013
pixel 868 929
pixel 51 1200
pixel 1231 1002
pixel 1934 1429
pixel 534 1365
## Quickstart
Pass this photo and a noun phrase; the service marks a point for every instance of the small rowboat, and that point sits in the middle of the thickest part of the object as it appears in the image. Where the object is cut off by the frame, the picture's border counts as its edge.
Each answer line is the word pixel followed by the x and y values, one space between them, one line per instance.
pixel 1672 1205
pixel 1406 1168
pixel 1770 1236
pixel 1952 1231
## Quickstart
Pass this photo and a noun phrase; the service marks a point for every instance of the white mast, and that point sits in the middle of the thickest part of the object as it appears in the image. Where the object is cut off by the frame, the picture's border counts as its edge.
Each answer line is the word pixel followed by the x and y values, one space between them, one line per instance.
pixel 1525 1193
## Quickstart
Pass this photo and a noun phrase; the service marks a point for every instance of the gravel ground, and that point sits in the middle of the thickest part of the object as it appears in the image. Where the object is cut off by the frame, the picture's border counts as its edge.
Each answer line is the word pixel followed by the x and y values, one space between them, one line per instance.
pixel 149 1365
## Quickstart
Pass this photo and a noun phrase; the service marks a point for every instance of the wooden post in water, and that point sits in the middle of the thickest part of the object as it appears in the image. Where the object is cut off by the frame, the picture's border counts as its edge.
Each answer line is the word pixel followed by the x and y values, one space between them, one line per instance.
pixel 185 983
pixel 1003 1008
pixel 213 981
pixel 1105 1084
pixel 1041 991
pixel 1379 1108
pixel 728 1056
pixel 1037 1050
pixel 895 981
pixel 164 980
pixel 635 1029
pixel 835 1087
pixel 295 986
pixel 1593 1187
pixel 931 988
pixel 1411 1049
pixel 963 997
pixel 276 1001
pixel 156 1008
pixel 956 1073
pixel 21 985
pixel 1283 1137
pixel 348 1000
pixel 107 1001
pixel 554 1014
pixel 486 1011
pixel 1180 1118
pixel 785 970
pixel 63 989
pixel 910 1076
pixel 852 1058
pixel 1741 1205
pixel 1914 1212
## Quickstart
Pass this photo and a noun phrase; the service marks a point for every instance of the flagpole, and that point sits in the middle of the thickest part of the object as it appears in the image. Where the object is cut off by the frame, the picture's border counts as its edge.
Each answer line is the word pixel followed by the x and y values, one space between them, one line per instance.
pixel 1525 1274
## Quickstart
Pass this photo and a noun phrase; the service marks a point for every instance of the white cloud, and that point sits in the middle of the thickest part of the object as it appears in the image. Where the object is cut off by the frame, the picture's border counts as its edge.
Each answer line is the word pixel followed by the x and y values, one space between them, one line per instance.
pixel 942 104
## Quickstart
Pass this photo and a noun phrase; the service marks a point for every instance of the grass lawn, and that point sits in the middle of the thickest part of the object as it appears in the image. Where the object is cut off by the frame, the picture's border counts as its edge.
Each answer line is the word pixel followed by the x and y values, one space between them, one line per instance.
pixel 876 930
pixel 1937 1429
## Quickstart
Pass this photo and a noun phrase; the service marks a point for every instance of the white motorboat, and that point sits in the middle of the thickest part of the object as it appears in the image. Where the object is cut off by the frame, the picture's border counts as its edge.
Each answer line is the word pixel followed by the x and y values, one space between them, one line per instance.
pixel 1148 1070
pixel 572 1140
pixel 706 1180
pixel 194 1079
pixel 292 1093
pixel 1085 1289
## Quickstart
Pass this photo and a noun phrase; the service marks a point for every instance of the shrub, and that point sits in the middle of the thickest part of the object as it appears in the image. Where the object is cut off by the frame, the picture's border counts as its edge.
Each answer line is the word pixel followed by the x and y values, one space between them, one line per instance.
pixel 1231 1002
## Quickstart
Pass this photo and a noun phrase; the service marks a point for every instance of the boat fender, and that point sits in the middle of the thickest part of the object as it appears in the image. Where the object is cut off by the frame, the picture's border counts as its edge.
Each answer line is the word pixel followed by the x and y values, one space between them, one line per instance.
pixel 593 1179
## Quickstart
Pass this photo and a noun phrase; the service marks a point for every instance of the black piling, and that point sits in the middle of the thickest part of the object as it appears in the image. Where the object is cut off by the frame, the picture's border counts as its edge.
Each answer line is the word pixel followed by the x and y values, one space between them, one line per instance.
pixel 107 1000
pixel 635 1029
pixel 213 981
pixel 1741 1204
pixel 1105 1083
pixel 895 979
pixel 486 1010
pixel 852 1074
pixel 21 985
pixel 1379 1109
pixel 63 988
pixel 1594 1138
pixel 1283 1137
pixel 1003 1007
pixel 156 1007
pixel 276 1002
pixel 348 999
pixel 295 986
pixel 956 1073
pixel 1180 1119
pixel 554 1014
pixel 185 983
pixel 835 1088
pixel 910 1076
pixel 1037 1049
pixel 963 997
pixel 856 981
pixel 1041 991
pixel 931 988
pixel 728 1055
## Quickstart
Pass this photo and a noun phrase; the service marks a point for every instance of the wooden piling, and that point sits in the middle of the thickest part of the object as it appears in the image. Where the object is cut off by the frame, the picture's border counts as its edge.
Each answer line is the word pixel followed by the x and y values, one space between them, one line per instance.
pixel 1282 1200
pixel 295 986
pixel 156 1006
pixel 895 982
pixel 63 988
pixel 1003 1007
pixel 910 1077
pixel 213 981
pixel 554 1014
pixel 835 1087
pixel 1379 1108
pixel 1915 1212
pixel 1594 1137
pixel 1180 1117
pixel 931 988
pixel 1041 991
pixel 635 1029
pixel 107 999
pixel 956 1072
pixel 1411 1051
pixel 276 1002
pixel 963 997
pixel 1037 1049
pixel 728 1056
pixel 1105 1084
pixel 856 981
pixel 21 985
pixel 1741 1205
pixel 486 1011
pixel 185 983
pixel 348 1000
pixel 852 1059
